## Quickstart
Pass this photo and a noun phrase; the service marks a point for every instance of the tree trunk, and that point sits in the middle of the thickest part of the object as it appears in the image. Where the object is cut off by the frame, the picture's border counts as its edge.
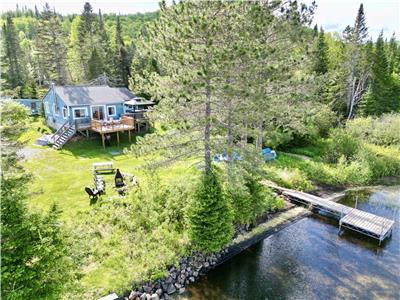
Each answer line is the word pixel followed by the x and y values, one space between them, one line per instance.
pixel 207 129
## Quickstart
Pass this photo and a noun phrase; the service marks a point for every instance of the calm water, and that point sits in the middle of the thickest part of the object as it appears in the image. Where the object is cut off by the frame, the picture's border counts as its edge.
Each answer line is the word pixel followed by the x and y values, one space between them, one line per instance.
pixel 309 260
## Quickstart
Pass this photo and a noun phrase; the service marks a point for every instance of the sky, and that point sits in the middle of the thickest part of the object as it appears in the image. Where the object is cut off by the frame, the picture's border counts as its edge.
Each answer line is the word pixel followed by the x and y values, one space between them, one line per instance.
pixel 332 15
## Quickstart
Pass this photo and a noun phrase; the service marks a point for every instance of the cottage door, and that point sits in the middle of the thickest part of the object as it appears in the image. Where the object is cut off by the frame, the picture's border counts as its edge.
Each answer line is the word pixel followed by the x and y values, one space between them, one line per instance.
pixel 98 112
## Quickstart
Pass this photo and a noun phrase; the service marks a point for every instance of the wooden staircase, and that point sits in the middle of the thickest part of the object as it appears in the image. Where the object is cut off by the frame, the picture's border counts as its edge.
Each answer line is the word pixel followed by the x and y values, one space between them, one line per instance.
pixel 63 135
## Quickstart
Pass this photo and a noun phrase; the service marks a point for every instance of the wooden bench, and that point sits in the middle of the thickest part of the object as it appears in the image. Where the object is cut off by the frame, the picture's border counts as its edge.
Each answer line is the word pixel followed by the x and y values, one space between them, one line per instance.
pixel 107 167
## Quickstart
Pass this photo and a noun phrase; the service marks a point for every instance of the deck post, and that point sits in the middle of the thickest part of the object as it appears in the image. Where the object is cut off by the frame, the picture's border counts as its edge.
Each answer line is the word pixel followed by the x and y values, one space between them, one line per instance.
pixel 129 134
pixel 118 138
pixel 102 139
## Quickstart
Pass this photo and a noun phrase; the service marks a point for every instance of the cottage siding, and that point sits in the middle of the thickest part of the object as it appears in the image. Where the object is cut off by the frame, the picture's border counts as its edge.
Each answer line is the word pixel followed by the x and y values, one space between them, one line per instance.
pixel 116 100
pixel 54 119
pixel 30 104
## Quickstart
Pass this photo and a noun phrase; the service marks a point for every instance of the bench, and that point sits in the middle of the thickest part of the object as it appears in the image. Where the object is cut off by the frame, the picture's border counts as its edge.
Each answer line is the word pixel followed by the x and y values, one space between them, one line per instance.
pixel 107 167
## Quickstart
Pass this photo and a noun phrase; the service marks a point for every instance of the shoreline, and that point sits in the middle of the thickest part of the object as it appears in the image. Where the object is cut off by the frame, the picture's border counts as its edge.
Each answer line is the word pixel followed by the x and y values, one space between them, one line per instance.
pixel 197 265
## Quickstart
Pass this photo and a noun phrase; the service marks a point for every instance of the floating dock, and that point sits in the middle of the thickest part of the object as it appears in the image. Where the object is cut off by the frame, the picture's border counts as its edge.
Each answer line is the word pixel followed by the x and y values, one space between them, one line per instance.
pixel 363 222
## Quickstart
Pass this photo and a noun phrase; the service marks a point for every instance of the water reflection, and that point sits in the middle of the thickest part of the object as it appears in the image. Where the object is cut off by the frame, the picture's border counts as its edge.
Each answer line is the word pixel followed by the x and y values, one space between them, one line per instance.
pixel 309 260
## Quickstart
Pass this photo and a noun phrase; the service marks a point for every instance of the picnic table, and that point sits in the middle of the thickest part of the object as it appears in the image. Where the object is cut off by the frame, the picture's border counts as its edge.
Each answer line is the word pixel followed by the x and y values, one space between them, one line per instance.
pixel 103 167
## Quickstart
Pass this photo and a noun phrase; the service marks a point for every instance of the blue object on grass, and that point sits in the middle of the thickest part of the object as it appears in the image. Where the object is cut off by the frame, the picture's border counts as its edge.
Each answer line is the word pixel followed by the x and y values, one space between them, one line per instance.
pixel 268 154
pixel 224 157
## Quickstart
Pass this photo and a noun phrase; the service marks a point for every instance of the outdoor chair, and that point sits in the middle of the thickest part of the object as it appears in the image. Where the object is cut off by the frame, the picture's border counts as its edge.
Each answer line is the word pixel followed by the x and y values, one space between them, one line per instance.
pixel 93 194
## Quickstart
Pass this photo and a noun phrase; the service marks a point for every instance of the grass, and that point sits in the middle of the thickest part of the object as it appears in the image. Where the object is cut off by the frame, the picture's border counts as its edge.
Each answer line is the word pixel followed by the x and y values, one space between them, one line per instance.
pixel 117 244
pixel 60 176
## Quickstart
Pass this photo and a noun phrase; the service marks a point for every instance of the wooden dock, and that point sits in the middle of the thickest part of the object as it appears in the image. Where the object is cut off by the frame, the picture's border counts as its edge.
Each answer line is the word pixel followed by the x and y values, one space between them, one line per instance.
pixel 363 222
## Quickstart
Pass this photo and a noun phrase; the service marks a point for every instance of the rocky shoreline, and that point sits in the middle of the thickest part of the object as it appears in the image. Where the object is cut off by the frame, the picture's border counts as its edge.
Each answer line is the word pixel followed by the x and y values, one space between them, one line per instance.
pixel 198 264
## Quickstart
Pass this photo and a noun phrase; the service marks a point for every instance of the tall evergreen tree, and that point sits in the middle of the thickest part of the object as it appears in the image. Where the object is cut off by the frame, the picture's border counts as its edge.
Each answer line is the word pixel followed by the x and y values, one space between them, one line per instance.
pixel 355 70
pixel 51 48
pixel 381 97
pixel 321 54
pixel 12 69
pixel 123 60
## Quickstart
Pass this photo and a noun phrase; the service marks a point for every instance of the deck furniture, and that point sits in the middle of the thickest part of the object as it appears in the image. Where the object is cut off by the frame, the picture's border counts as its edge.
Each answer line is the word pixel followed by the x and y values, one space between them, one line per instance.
pixel 99 183
pixel 93 194
pixel 107 167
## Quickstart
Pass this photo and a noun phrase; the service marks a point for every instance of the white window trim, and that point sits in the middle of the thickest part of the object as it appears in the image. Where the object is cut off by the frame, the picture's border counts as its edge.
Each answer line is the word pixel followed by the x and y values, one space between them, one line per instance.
pixel 46 108
pixel 66 107
pixel 115 110
pixel 79 108
pixel 54 110
pixel 91 111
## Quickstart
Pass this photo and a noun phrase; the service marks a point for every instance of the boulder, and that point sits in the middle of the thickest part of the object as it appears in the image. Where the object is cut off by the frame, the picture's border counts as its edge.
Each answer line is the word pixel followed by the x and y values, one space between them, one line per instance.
pixel 181 290
pixel 171 289
pixel 147 289
pixel 192 279
pixel 155 297
pixel 134 295
pixel 159 292
pixel 143 296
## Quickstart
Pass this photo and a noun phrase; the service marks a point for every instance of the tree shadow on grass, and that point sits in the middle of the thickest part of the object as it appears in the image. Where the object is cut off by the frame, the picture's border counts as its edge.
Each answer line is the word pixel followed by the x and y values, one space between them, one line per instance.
pixel 92 147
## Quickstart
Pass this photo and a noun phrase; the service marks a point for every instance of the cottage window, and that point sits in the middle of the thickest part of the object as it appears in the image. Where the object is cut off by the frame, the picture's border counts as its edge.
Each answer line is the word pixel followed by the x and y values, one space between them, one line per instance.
pixel 80 113
pixel 65 112
pixel 33 105
pixel 111 111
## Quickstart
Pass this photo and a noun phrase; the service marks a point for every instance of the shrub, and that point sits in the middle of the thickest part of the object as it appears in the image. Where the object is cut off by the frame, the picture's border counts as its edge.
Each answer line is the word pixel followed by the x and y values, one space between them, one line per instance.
pixel 292 178
pixel 380 131
pixel 342 144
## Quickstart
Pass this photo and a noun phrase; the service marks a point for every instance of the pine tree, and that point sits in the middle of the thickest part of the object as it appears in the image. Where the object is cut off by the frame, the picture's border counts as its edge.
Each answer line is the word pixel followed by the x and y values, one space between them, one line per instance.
pixel 95 65
pixel 210 216
pixel 355 71
pixel 122 56
pixel 12 69
pixel 321 54
pixel 393 57
pixel 105 48
pixel 51 48
pixel 87 29
pixel 380 97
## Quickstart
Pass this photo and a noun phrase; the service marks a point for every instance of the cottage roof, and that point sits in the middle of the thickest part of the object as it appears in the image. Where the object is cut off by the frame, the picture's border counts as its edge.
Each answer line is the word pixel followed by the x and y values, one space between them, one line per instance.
pixel 92 95
pixel 139 101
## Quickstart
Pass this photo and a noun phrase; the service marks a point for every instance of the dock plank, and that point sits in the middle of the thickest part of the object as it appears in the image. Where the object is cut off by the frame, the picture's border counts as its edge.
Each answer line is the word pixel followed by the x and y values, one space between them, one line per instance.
pixel 362 221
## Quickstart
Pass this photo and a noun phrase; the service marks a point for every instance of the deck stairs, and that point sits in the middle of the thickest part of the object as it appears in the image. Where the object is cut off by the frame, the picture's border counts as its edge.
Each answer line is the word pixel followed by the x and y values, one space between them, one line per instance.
pixel 63 135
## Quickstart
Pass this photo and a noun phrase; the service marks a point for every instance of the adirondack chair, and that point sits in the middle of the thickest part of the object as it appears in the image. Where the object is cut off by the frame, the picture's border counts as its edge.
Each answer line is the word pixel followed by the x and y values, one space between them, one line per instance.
pixel 93 194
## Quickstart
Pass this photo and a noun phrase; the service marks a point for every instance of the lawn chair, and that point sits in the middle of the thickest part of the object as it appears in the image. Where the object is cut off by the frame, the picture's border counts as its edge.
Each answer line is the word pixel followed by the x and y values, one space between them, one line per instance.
pixel 93 194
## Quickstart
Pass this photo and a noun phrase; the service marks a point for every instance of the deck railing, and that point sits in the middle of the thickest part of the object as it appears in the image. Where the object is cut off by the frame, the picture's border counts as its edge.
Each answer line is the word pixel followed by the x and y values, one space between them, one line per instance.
pixel 125 123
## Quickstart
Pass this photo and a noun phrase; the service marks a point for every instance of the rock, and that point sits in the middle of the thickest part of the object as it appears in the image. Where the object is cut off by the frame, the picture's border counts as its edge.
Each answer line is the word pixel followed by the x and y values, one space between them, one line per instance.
pixel 169 280
pixel 155 297
pixel 148 296
pixel 164 286
pixel 134 295
pixel 195 273
pixel 178 286
pixel 159 292
pixel 206 265
pixel 192 279
pixel 181 290
pixel 143 296
pixel 147 289
pixel 171 289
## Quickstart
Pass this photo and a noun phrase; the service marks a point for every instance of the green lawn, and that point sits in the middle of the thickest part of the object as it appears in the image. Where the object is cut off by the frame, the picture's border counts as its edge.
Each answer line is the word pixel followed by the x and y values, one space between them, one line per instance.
pixel 60 176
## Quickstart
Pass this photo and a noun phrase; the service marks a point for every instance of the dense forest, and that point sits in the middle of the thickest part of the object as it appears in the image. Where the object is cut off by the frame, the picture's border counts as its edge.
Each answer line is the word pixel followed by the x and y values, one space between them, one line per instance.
pixel 43 47
pixel 229 78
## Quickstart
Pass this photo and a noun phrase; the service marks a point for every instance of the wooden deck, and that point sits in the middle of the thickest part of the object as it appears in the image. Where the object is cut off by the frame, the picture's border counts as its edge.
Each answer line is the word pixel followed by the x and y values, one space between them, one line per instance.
pixel 363 222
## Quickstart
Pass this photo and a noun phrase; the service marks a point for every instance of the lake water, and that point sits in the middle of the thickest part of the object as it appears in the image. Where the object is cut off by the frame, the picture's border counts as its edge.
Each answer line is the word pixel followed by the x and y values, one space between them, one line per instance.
pixel 309 260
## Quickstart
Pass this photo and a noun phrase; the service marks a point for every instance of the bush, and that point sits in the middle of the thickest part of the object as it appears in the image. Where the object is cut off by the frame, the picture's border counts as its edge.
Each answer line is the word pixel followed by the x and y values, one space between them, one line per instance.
pixel 292 178
pixel 342 144
pixel 249 198
pixel 384 130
